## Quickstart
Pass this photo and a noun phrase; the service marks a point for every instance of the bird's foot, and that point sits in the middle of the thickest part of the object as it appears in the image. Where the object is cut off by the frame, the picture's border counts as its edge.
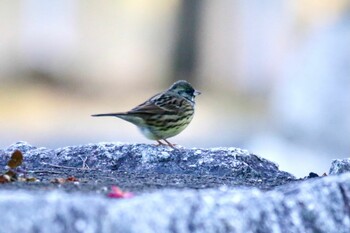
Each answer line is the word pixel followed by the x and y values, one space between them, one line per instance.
pixel 167 143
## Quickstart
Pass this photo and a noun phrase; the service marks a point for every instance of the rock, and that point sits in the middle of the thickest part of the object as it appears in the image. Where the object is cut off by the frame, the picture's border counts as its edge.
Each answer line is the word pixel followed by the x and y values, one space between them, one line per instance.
pixel 317 205
pixel 340 166
pixel 235 163
pixel 176 190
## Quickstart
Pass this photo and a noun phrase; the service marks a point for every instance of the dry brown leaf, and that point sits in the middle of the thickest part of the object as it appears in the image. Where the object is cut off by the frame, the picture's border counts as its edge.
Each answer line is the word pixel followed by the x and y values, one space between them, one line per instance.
pixel 16 159
pixel 64 180
pixel 4 179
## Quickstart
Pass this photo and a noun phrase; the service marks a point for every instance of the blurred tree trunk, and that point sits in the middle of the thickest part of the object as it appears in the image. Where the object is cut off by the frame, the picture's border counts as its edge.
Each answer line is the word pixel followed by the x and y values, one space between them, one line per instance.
pixel 186 44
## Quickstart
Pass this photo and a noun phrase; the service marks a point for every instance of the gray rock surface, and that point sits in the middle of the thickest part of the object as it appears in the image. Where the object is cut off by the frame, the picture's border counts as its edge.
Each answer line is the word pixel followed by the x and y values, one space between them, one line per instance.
pixel 318 205
pixel 176 190
pixel 234 165
pixel 340 166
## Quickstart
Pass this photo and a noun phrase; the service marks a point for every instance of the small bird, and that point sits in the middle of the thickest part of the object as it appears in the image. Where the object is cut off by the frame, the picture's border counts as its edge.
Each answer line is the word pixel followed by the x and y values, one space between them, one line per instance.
pixel 163 115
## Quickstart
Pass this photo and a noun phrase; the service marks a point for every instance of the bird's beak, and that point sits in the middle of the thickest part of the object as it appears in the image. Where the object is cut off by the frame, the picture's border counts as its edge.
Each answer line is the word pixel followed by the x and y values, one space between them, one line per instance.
pixel 196 92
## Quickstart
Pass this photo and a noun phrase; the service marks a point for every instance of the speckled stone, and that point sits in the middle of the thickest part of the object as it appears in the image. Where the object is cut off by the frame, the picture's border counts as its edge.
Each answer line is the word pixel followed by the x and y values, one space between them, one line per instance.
pixel 145 158
pixel 317 205
pixel 340 166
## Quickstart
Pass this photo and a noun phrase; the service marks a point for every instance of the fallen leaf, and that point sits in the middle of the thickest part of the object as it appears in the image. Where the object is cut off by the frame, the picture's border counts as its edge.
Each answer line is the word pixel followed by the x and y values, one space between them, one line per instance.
pixel 72 179
pixel 4 179
pixel 58 181
pixel 12 175
pixel 116 192
pixel 16 159
pixel 27 179
pixel 64 180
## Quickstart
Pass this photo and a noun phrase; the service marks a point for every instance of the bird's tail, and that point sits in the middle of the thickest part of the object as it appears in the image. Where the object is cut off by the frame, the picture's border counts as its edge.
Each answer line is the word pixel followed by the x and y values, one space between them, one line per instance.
pixel 109 114
pixel 123 115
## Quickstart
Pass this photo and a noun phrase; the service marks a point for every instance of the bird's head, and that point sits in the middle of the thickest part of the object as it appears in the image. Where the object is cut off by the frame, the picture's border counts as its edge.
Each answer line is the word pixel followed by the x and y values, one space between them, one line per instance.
pixel 184 89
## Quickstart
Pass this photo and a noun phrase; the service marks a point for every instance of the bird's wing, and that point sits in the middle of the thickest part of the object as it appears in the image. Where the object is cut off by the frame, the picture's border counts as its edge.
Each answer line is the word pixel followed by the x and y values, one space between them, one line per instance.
pixel 159 104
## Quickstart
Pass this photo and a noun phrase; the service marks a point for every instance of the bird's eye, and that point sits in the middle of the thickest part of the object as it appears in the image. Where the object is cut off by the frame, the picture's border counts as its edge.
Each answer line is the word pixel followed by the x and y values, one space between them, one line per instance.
pixel 182 92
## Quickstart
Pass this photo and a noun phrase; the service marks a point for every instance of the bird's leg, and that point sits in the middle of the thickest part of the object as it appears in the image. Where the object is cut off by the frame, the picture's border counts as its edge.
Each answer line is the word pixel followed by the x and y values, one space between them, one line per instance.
pixel 169 144
pixel 160 143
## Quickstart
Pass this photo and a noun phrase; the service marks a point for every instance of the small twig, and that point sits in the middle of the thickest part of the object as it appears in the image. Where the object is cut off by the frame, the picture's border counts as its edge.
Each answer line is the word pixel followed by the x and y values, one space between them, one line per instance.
pixel 58 166
pixel 45 171
pixel 85 166
pixel 68 167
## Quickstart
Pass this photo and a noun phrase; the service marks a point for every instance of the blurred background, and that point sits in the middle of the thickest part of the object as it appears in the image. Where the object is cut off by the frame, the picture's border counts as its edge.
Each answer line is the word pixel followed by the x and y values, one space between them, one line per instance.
pixel 274 75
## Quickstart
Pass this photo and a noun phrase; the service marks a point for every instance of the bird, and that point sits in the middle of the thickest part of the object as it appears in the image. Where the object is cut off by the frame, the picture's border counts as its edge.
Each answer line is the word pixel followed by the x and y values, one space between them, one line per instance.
pixel 164 115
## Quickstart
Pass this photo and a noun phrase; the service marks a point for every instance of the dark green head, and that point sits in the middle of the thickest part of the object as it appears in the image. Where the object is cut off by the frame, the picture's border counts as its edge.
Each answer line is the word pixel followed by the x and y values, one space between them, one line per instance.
pixel 184 89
